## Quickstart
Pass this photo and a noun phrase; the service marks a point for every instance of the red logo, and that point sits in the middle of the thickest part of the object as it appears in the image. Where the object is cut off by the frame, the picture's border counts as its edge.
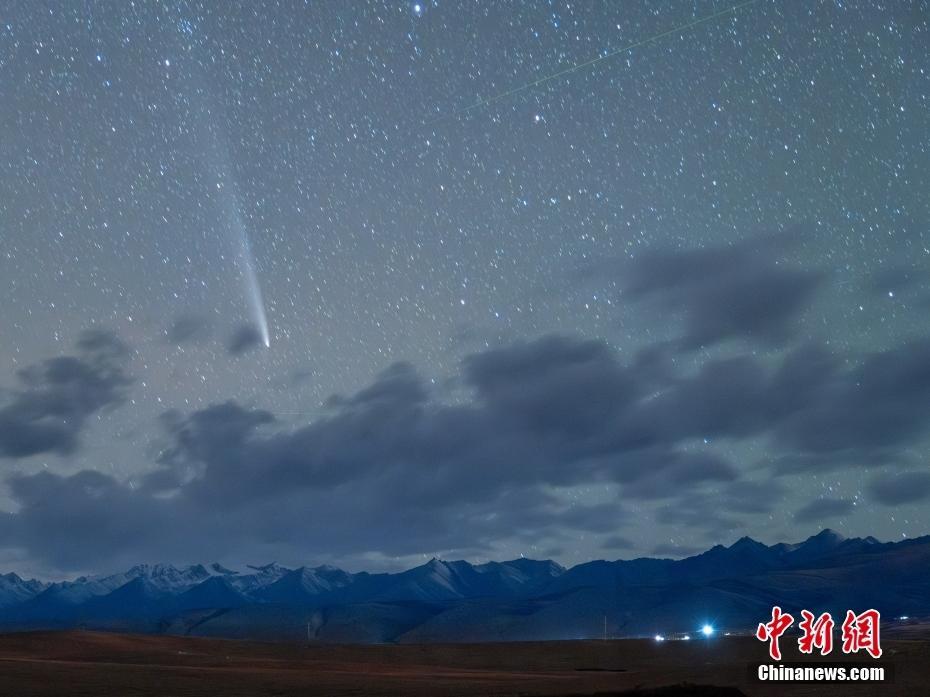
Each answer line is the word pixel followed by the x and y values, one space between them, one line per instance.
pixel 771 631
pixel 816 633
pixel 860 632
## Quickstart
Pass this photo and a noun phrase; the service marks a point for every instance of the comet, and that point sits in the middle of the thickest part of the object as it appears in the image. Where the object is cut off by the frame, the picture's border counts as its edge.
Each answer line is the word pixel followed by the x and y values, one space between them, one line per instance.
pixel 229 201
pixel 253 289
pixel 245 259
pixel 203 118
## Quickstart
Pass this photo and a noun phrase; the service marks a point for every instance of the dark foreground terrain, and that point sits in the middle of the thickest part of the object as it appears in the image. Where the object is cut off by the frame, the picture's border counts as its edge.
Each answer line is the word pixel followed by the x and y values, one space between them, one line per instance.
pixel 90 663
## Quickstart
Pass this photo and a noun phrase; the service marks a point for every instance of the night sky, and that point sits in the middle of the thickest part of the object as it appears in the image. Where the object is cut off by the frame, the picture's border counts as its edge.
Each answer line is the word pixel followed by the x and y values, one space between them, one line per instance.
pixel 278 284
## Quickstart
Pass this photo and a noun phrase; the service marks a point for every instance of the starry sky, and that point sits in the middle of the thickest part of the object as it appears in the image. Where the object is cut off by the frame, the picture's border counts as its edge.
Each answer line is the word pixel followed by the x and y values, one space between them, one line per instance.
pixel 354 283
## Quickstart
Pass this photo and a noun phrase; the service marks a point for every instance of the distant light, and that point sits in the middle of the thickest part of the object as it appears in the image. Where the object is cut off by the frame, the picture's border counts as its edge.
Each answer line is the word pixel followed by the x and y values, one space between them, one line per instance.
pixel 659 637
pixel 707 630
pixel 686 637
pixel 904 618
pixel 418 9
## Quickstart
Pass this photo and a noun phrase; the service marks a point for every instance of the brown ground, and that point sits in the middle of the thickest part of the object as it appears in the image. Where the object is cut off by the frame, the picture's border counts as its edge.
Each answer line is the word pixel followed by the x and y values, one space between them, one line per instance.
pixel 88 663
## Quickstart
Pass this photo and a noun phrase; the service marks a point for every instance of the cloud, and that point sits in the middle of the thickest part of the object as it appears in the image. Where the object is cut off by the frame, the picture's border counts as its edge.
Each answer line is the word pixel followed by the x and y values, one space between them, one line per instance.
pixel 83 517
pixel 716 514
pixel 815 410
pixel 736 291
pixel 56 397
pixel 618 542
pixel 866 412
pixel 708 520
pixel 244 339
pixel 753 497
pixel 526 426
pixel 822 508
pixel 554 385
pixel 389 468
pixel 398 468
pixel 189 328
pixel 901 488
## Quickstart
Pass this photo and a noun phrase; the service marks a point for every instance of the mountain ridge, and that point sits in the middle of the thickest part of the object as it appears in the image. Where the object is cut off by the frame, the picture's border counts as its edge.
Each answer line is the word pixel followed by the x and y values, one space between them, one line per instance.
pixel 447 600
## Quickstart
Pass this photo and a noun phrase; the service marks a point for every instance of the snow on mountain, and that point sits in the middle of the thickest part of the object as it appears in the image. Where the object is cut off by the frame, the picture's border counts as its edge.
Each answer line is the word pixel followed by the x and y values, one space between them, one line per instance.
pixel 82 589
pixel 170 578
pixel 305 584
pixel 15 590
pixel 453 600
pixel 259 577
pixel 434 581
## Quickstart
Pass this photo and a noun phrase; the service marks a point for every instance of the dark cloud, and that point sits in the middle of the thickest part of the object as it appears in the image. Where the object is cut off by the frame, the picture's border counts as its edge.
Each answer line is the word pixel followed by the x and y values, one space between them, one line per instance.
pixel 816 411
pixel 901 488
pixel 725 292
pixel 554 385
pixel 111 524
pixel 243 339
pixel 705 515
pixel 215 434
pixel 665 474
pixel 752 497
pixel 404 470
pixel 400 471
pixel 56 397
pixel 714 514
pixel 862 412
pixel 84 517
pixel 822 508
pixel 189 328
pixel 618 542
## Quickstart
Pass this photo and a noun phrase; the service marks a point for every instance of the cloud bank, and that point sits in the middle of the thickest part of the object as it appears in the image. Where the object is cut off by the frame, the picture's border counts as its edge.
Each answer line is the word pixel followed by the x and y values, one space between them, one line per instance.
pixel 397 469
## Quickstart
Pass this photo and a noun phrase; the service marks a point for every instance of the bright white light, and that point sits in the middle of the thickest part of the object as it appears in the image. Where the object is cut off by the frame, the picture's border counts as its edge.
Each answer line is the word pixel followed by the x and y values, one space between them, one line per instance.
pixel 418 9
pixel 707 630
pixel 253 289
pixel 687 637
pixel 659 637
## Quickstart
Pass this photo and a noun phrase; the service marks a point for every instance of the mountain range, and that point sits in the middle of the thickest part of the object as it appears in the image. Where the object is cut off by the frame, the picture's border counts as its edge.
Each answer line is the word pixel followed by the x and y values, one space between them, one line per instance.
pixel 731 587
